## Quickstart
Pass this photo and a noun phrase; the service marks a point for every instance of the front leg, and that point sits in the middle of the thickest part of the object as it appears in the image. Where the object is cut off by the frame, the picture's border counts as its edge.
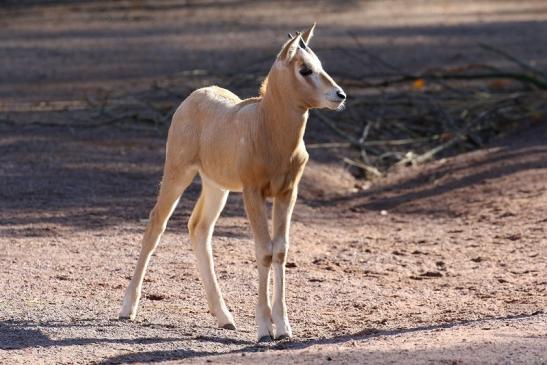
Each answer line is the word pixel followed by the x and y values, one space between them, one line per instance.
pixel 282 211
pixel 255 205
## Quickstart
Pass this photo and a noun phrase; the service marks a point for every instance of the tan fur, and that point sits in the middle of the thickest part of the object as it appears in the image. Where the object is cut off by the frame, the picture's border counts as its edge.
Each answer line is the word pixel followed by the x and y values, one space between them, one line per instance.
pixel 255 146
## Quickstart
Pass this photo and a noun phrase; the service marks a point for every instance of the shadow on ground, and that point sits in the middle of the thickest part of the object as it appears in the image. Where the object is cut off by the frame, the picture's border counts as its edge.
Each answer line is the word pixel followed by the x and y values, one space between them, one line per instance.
pixel 94 177
pixel 519 154
pixel 73 178
pixel 16 335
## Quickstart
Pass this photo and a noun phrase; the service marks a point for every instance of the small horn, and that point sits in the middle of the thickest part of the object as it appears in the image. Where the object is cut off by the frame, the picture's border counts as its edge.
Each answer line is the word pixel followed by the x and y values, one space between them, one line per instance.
pixel 290 36
pixel 301 43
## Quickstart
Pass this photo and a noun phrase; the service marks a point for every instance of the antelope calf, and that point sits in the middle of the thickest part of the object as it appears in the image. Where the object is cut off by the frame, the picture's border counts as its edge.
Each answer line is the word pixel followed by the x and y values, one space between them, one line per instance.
pixel 254 146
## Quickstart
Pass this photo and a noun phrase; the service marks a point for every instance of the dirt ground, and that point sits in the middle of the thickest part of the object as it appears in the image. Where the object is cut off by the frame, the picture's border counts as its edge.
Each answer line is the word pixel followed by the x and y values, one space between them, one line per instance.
pixel 444 263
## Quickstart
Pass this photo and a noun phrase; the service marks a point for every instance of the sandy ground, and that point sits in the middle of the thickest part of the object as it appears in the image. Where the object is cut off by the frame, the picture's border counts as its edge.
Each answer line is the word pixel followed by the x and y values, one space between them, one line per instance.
pixel 444 263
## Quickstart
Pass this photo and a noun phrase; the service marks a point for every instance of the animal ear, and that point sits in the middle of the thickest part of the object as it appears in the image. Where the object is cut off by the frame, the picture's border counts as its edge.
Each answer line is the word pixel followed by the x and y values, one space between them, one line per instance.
pixel 289 48
pixel 307 35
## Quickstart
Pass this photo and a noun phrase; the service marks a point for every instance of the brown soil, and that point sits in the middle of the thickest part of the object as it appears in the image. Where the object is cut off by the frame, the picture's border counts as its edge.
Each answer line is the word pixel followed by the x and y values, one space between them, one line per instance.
pixel 444 263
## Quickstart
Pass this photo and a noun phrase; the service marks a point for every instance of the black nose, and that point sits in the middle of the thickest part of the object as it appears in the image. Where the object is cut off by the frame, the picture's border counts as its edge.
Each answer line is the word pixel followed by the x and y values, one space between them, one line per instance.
pixel 341 94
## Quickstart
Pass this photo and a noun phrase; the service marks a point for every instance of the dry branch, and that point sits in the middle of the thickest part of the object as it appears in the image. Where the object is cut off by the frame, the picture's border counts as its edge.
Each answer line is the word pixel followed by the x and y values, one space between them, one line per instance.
pixel 444 109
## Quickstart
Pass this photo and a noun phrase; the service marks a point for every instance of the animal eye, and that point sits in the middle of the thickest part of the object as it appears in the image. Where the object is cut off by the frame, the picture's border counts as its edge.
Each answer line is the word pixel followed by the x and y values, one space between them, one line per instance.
pixel 305 71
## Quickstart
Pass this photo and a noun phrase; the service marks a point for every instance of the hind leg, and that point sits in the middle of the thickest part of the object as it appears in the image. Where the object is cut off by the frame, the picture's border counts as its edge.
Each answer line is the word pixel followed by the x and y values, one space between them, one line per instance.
pixel 201 226
pixel 173 184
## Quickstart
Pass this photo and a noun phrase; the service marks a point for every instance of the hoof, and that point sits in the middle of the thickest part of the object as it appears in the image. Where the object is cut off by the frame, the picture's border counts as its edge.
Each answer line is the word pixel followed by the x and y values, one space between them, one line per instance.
pixel 124 318
pixel 229 326
pixel 283 337
pixel 265 339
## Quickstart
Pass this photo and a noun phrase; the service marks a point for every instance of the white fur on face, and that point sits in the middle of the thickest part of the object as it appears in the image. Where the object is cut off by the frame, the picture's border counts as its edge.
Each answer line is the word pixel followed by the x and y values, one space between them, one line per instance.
pixel 323 84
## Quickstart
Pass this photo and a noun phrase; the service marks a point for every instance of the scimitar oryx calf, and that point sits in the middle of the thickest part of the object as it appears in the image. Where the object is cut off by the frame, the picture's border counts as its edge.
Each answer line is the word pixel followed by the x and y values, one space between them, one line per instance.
pixel 254 146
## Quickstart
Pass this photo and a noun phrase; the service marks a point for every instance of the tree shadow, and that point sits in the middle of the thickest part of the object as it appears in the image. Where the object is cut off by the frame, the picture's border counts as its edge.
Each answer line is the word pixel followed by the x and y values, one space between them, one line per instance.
pixel 465 181
pixel 156 5
pixel 16 335
pixel 55 176
pixel 507 158
pixel 92 178
pixel 104 61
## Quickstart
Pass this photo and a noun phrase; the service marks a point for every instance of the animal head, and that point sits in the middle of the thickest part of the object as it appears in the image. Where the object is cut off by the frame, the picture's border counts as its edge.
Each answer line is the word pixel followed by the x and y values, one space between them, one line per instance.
pixel 301 74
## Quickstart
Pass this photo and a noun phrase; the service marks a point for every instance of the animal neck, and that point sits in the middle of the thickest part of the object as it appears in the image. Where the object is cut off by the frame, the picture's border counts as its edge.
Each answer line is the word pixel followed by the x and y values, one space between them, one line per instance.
pixel 283 118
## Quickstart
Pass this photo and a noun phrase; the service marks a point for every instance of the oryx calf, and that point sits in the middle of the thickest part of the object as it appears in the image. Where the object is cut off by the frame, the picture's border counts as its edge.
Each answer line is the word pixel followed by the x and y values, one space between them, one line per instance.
pixel 255 146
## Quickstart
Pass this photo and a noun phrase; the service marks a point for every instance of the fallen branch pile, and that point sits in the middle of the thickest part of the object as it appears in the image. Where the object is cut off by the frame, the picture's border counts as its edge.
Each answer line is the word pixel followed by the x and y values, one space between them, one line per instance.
pixel 410 119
